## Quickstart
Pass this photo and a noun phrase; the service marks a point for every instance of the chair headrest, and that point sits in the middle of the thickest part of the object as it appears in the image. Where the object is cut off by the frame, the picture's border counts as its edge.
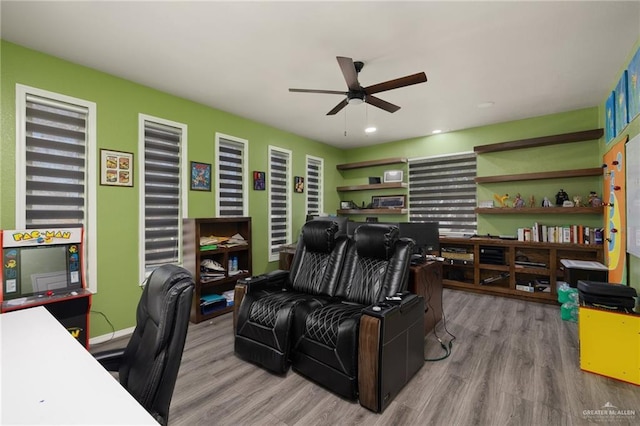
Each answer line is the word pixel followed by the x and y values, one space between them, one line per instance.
pixel 163 281
pixel 320 235
pixel 376 241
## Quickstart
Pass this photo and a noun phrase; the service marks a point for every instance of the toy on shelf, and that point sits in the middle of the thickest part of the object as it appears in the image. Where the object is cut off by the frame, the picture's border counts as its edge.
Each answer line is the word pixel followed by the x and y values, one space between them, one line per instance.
pixel 577 201
pixel 594 200
pixel 532 201
pixel 546 202
pixel 561 197
pixel 501 199
pixel 518 202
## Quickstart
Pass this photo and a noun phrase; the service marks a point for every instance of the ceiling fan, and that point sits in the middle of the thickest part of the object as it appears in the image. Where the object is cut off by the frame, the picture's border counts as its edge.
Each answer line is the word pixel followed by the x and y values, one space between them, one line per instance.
pixel 358 94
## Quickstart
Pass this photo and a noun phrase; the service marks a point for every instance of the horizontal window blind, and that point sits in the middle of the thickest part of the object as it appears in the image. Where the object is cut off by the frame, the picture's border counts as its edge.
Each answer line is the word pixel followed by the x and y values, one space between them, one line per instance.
pixel 278 201
pixel 231 170
pixel 162 190
pixel 314 185
pixel 56 141
pixel 442 189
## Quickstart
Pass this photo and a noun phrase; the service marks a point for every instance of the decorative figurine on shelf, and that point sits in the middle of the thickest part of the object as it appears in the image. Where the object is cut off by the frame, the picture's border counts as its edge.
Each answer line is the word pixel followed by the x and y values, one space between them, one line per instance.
pixel 594 200
pixel 518 203
pixel 561 197
pixel 546 202
pixel 501 199
pixel 532 201
pixel 577 201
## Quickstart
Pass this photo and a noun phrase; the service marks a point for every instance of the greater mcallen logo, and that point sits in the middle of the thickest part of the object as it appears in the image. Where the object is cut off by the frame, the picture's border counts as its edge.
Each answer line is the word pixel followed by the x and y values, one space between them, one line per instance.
pixel 608 412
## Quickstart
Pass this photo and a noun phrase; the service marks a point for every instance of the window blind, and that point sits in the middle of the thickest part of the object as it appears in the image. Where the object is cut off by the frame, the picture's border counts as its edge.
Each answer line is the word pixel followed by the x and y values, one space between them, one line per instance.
pixel 55 157
pixel 231 170
pixel 278 200
pixel 162 217
pixel 442 189
pixel 314 185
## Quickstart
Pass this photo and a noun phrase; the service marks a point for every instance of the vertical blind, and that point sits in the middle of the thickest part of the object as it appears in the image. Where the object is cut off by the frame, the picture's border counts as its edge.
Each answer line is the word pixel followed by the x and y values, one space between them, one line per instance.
pixel 161 194
pixel 56 140
pixel 443 189
pixel 231 171
pixel 314 185
pixel 278 200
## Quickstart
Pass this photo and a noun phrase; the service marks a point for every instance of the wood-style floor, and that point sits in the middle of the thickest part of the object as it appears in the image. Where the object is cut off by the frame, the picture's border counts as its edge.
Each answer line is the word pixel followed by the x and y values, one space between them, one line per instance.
pixel 513 362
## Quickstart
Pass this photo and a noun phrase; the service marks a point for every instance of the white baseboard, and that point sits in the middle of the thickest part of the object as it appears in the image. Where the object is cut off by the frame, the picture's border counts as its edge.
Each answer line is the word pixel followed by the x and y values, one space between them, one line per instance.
pixel 106 337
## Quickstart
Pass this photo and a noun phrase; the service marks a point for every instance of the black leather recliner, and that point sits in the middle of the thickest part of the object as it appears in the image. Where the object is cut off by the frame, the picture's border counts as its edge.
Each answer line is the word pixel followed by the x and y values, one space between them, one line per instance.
pixel 326 348
pixel 148 366
pixel 265 304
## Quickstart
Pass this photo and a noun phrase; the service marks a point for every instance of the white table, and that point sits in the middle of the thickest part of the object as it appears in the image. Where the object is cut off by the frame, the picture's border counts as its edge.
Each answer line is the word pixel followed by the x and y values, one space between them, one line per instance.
pixel 49 378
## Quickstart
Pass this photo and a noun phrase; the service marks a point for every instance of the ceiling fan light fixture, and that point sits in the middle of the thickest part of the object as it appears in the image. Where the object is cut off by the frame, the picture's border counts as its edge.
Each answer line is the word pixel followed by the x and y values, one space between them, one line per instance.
pixel 370 129
pixel 355 98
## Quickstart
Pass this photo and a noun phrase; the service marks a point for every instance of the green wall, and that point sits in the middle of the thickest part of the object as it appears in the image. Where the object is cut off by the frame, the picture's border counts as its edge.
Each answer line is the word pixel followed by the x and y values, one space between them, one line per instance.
pixel 118 104
pixel 119 101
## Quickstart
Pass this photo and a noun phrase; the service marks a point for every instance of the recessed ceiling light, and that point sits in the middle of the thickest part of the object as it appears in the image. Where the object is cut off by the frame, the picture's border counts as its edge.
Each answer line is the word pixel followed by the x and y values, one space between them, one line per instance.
pixel 488 104
pixel 370 129
pixel 435 132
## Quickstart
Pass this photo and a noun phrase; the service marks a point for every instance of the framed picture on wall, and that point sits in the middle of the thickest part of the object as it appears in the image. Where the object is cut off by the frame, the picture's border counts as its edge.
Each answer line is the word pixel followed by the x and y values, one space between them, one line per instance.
pixel 200 176
pixel 298 184
pixel 610 117
pixel 116 168
pixel 259 181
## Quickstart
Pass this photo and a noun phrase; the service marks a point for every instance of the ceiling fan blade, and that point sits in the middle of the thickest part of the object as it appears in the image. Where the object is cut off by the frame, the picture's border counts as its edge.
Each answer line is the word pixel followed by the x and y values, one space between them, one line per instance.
pixel 328 92
pixel 377 102
pixel 397 83
pixel 338 107
pixel 349 72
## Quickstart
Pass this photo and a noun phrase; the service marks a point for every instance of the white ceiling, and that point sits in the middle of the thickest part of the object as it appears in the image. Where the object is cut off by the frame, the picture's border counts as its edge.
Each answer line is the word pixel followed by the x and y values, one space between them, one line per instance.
pixel 530 58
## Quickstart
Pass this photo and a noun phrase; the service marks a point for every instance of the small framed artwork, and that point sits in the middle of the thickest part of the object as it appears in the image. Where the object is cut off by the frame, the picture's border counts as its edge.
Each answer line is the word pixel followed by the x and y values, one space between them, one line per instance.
pixel 116 168
pixel 258 181
pixel 388 201
pixel 392 176
pixel 298 184
pixel 200 176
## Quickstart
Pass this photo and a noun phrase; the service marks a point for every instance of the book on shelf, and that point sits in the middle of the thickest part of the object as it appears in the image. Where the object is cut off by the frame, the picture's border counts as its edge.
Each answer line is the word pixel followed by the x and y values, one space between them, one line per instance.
pixel 570 234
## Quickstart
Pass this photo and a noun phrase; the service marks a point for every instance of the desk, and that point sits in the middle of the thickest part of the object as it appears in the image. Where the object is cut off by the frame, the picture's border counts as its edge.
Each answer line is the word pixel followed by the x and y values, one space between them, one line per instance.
pixel 426 280
pixel 47 377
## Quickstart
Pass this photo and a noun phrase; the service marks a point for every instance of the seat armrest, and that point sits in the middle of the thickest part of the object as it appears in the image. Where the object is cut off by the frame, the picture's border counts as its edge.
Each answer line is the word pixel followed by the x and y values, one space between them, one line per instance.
pixel 110 359
pixel 271 280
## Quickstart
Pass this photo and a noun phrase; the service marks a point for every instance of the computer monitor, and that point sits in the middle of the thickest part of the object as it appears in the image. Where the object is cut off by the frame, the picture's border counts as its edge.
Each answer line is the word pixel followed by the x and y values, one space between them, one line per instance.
pixel 425 234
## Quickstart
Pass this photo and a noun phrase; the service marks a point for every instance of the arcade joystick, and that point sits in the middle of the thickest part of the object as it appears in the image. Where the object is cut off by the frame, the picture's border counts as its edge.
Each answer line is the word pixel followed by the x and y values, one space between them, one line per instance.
pixel 49 293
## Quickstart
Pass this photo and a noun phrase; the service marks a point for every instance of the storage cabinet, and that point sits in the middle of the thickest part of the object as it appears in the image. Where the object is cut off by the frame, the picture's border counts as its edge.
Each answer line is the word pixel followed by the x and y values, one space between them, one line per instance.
pixel 500 267
pixel 373 187
pixel 223 254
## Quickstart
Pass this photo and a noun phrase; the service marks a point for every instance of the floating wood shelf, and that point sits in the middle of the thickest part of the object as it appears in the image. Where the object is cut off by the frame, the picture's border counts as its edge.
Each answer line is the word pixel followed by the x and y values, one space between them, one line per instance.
pixel 596 171
pixel 371 163
pixel 372 186
pixel 587 135
pixel 373 211
pixel 540 210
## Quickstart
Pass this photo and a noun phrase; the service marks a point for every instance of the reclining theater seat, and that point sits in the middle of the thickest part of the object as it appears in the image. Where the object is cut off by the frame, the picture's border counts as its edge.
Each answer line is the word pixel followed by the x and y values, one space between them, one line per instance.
pixel 327 349
pixel 265 312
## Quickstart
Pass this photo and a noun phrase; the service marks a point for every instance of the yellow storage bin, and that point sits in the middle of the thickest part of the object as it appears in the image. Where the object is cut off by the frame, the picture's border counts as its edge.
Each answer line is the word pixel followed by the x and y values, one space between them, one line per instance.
pixel 610 344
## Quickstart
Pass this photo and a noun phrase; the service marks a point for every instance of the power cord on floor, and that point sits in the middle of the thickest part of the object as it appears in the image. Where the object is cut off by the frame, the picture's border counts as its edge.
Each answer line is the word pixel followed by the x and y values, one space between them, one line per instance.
pixel 113 329
pixel 448 348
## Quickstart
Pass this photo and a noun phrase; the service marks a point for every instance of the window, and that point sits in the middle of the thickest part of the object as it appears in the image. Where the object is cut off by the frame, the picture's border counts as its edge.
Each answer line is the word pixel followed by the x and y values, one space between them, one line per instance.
pixel 55 166
pixel 231 184
pixel 314 185
pixel 279 200
pixel 162 196
pixel 442 189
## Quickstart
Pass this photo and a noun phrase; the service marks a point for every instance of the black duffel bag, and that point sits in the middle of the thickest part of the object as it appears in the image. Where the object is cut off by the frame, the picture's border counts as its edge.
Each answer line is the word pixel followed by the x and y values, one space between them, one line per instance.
pixel 615 297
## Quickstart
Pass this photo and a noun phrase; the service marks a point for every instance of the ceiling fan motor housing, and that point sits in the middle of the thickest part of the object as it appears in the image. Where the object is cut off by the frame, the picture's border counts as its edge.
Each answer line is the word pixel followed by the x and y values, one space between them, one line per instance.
pixel 355 97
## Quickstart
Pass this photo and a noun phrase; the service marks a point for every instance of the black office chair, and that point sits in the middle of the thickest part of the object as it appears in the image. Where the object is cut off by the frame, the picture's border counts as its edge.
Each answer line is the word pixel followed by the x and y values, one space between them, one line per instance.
pixel 148 366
